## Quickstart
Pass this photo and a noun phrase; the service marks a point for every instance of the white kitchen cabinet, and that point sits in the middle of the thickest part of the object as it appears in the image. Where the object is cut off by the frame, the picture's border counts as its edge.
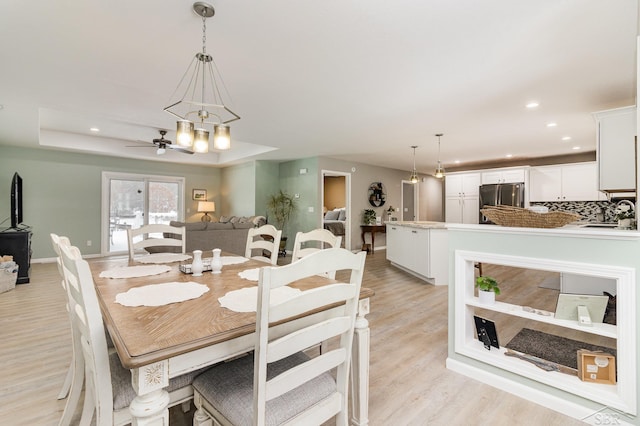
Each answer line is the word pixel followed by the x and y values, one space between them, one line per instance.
pixel 566 182
pixel 462 200
pixel 616 149
pixel 419 251
pixel 503 176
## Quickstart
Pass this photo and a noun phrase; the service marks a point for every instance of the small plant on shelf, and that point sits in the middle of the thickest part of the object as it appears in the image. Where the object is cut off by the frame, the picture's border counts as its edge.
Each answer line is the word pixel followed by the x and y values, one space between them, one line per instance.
pixel 487 284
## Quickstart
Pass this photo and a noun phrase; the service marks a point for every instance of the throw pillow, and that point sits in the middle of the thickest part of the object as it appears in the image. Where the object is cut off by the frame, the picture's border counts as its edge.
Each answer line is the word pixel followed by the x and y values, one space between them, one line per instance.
pixel 234 219
pixel 332 215
pixel 343 214
pixel 224 219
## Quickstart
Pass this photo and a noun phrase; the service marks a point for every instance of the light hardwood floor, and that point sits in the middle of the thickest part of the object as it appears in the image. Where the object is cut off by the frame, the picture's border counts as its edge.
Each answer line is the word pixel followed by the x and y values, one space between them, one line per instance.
pixel 409 383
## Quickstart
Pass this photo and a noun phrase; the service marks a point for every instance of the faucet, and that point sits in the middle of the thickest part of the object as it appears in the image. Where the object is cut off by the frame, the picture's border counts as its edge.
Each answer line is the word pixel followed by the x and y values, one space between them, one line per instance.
pixel 627 202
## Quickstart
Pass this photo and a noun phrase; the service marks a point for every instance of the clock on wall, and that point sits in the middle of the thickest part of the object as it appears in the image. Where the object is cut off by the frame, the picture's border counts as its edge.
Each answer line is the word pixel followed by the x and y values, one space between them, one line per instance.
pixel 377 196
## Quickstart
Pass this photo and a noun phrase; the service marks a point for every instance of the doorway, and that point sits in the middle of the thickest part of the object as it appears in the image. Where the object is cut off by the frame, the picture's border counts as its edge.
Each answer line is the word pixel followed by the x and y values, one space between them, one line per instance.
pixel 409 201
pixel 336 194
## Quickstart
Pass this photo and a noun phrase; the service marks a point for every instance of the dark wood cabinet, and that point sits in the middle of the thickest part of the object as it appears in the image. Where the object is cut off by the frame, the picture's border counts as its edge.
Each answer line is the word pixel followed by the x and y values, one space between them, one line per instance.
pixel 17 243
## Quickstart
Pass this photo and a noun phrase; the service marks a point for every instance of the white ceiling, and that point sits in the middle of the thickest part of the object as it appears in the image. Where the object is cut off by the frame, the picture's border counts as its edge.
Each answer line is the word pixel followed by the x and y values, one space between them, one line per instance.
pixel 357 80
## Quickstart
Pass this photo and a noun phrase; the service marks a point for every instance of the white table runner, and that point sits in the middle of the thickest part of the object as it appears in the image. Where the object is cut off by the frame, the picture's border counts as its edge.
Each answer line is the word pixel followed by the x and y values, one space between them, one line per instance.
pixel 162 258
pixel 161 294
pixel 246 299
pixel 232 260
pixel 135 271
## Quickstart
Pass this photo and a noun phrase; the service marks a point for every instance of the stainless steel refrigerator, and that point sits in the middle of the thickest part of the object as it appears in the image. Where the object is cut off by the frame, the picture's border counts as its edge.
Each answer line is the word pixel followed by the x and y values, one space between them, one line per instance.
pixel 505 194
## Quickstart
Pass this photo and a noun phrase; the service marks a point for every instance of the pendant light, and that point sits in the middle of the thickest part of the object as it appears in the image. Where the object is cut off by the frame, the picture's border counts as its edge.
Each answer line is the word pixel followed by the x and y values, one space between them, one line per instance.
pixel 414 173
pixel 202 107
pixel 439 169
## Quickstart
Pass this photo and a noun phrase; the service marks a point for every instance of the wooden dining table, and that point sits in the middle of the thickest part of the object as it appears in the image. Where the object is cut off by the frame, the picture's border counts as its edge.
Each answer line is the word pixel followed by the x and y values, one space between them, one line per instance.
pixel 161 342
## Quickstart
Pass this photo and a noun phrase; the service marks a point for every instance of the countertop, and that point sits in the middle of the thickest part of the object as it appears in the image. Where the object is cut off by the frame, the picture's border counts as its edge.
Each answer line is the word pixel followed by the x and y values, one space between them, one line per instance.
pixel 419 224
pixel 579 230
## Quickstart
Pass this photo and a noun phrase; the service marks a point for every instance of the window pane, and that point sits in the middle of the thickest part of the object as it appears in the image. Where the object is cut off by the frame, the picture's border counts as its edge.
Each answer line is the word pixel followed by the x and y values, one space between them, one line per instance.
pixel 126 210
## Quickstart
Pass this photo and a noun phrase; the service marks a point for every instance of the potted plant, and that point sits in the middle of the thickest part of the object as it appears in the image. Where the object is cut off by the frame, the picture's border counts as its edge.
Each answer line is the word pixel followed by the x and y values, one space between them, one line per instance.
pixel 369 217
pixel 281 206
pixel 487 289
pixel 624 214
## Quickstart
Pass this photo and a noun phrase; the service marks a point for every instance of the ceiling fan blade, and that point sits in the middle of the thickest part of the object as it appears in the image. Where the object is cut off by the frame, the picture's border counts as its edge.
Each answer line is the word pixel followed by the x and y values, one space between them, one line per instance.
pixel 179 149
pixel 140 146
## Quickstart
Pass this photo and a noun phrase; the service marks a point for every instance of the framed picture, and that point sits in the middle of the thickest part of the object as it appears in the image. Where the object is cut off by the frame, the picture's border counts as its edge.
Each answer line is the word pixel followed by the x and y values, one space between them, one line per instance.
pixel 200 194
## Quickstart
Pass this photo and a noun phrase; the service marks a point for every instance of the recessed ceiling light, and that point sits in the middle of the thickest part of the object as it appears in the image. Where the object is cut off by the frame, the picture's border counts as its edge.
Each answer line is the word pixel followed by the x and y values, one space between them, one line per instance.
pixel 532 104
pixel 566 138
pixel 575 148
pixel 457 161
pixel 509 155
pixel 552 124
pixel 94 129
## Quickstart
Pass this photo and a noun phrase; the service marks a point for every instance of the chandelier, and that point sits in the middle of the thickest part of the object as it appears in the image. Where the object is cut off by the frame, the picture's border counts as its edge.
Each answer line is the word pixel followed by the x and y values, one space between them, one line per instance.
pixel 202 106
pixel 414 173
pixel 439 169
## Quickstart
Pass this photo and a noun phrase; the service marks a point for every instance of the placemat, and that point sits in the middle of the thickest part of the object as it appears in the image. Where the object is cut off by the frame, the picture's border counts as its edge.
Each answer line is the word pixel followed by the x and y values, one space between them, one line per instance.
pixel 161 294
pixel 250 274
pixel 246 299
pixel 551 347
pixel 162 258
pixel 135 271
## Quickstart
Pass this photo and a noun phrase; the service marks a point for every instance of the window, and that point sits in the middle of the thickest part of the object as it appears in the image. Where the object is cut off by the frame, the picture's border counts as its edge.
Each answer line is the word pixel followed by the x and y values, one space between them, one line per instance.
pixel 130 201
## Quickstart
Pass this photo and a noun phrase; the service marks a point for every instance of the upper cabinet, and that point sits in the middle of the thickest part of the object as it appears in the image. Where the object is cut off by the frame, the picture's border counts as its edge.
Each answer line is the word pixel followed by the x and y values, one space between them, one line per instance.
pixel 503 176
pixel 616 131
pixel 462 198
pixel 566 182
pixel 462 185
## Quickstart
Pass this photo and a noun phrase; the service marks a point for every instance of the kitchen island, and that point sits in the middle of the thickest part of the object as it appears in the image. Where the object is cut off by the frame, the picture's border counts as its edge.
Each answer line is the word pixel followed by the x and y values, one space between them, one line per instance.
pixel 419 248
pixel 605 253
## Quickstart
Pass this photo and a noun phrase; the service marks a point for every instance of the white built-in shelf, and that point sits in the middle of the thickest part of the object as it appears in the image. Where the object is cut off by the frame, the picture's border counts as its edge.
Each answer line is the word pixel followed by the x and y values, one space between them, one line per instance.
pixel 600 329
pixel 603 393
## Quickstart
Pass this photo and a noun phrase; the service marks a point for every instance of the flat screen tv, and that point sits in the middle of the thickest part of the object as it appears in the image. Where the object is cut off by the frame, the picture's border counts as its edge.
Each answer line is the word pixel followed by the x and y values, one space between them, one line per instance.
pixel 16 200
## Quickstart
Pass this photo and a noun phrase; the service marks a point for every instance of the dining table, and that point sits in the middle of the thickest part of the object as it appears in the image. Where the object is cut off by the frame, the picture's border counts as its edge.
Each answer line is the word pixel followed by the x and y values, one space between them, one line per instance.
pixel 160 342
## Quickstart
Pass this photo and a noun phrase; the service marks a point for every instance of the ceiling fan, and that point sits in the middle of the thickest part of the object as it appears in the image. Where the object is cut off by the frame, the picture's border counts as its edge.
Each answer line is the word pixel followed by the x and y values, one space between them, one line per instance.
pixel 162 144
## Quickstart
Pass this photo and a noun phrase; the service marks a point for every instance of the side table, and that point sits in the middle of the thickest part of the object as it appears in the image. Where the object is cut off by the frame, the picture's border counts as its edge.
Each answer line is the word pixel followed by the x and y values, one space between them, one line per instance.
pixel 372 229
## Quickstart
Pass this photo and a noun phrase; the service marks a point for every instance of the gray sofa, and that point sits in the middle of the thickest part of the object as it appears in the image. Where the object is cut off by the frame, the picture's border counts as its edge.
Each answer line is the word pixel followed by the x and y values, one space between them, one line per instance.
pixel 229 236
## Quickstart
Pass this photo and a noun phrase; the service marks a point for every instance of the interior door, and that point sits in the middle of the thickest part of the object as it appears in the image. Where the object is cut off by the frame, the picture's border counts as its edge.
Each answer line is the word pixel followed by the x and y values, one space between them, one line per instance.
pixel 409 201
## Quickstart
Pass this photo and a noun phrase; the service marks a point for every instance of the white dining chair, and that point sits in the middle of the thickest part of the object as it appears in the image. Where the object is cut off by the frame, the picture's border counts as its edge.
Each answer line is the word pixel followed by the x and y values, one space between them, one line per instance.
pixel 164 240
pixel 108 390
pixel 256 241
pixel 312 241
pixel 72 386
pixel 279 383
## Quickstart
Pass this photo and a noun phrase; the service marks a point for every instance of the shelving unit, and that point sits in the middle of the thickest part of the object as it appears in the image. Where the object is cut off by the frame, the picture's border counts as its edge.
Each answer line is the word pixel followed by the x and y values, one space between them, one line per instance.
pixel 621 396
pixel 606 330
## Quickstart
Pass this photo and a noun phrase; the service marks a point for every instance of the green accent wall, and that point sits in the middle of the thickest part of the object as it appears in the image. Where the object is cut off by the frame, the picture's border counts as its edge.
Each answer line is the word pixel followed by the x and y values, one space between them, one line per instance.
pixel 62 192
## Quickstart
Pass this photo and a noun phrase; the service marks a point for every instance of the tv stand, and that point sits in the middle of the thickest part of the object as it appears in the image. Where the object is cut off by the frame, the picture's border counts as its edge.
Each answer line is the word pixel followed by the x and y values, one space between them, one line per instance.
pixel 16 242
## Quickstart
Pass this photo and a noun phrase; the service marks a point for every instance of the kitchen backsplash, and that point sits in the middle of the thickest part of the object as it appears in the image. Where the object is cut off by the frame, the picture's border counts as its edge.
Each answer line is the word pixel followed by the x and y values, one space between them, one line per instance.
pixel 587 209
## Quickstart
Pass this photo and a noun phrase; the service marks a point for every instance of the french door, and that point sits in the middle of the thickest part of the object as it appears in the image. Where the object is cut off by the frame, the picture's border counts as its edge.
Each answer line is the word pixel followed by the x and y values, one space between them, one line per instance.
pixel 130 201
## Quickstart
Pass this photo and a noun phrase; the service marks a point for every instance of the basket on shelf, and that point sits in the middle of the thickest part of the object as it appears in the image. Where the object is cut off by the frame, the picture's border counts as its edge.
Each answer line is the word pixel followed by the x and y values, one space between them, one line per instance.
pixel 525 218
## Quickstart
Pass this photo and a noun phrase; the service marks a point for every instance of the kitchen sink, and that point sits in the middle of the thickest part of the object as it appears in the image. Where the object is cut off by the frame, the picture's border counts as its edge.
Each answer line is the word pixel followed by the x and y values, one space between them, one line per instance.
pixel 600 225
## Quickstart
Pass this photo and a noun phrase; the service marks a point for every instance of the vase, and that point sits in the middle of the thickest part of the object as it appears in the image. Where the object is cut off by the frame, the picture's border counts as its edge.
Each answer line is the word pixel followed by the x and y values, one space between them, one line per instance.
pixel 196 265
pixel 487 297
pixel 216 262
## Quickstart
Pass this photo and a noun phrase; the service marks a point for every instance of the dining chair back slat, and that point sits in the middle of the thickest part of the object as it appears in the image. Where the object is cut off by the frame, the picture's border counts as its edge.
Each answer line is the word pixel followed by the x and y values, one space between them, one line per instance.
pixel 288 386
pixel 168 237
pixel 256 241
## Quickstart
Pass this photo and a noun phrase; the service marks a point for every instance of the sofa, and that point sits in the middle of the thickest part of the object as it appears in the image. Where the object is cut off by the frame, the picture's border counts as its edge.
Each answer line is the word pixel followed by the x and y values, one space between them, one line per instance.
pixel 229 234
